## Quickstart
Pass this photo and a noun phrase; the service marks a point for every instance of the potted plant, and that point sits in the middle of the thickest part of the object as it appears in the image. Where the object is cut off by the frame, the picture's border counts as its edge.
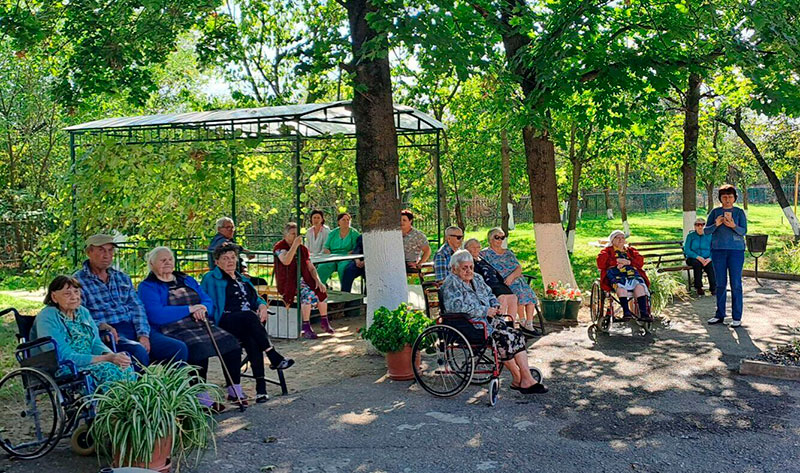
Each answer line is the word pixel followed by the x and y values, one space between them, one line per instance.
pixel 155 421
pixel 574 301
pixel 554 301
pixel 393 332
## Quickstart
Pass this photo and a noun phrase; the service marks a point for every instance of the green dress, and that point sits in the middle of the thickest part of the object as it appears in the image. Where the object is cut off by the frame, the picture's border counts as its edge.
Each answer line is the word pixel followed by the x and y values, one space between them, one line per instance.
pixel 337 246
pixel 80 339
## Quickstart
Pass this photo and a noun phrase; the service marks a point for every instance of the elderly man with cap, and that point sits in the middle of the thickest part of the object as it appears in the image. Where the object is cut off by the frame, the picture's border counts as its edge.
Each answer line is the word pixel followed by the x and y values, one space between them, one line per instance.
pixel 110 297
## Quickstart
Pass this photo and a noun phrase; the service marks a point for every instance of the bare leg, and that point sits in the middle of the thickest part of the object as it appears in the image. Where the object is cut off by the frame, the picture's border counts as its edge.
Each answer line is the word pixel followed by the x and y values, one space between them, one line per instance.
pixel 514 370
pixel 508 304
pixel 323 309
pixel 526 380
pixel 305 312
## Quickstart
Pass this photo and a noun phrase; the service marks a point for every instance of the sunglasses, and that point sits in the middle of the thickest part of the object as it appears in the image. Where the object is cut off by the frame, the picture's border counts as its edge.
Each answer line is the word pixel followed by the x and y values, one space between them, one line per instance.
pixel 457 237
pixel 501 238
pixel 699 224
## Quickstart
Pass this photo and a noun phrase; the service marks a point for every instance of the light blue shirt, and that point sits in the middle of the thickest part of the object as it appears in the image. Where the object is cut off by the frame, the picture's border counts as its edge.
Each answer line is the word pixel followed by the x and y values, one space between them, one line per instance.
pixel 50 323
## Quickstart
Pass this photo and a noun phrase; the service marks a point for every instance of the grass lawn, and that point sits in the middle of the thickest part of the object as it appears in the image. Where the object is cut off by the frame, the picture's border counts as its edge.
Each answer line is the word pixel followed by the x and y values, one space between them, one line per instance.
pixel 8 328
pixel 653 226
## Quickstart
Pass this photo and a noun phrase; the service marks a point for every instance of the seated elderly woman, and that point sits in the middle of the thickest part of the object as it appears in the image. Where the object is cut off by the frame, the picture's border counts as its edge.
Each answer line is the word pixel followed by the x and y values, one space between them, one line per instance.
pixel 621 270
pixel 492 278
pixel 312 291
pixel 77 339
pixel 465 292
pixel 509 268
pixel 177 307
pixel 240 311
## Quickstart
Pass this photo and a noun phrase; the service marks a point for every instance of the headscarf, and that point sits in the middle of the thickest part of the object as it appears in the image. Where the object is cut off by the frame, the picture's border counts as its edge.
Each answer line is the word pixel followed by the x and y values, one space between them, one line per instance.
pixel 613 235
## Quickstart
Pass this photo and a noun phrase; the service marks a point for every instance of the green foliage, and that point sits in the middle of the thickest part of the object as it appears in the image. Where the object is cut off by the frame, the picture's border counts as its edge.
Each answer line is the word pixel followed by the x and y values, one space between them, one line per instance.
pixel 663 288
pixel 133 416
pixel 786 259
pixel 392 330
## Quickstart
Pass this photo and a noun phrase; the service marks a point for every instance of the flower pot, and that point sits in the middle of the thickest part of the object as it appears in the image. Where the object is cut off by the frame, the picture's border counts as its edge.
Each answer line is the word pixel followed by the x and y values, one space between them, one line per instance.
pixel 160 461
pixel 553 310
pixel 399 366
pixel 571 312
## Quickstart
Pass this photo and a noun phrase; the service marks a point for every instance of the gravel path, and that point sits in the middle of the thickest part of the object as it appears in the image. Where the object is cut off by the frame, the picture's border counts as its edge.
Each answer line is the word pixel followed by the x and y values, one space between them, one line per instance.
pixel 665 403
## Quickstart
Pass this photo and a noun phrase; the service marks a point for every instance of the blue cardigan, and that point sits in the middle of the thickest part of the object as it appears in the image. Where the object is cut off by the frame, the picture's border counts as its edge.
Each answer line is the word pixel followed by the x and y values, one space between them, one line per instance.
pixel 722 237
pixel 214 284
pixel 49 323
pixel 155 293
pixel 697 245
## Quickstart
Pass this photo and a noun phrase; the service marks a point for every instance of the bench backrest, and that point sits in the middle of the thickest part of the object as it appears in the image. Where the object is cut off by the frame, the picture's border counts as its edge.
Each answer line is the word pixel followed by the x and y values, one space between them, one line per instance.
pixel 661 253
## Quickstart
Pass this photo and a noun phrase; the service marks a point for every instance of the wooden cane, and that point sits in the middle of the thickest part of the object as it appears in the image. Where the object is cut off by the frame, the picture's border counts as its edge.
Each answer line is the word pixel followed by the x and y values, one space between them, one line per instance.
pixel 225 371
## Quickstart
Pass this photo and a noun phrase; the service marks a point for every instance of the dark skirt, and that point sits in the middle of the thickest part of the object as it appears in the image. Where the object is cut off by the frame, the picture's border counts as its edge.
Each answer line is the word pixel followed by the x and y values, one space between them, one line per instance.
pixel 195 336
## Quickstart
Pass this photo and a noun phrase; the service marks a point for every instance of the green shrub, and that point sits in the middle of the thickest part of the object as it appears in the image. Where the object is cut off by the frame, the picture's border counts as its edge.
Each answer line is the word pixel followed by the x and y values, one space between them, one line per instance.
pixel 786 259
pixel 392 330
pixel 663 289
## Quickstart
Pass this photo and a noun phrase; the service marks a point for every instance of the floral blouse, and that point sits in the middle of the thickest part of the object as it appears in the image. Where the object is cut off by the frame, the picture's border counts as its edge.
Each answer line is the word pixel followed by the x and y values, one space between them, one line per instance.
pixel 473 298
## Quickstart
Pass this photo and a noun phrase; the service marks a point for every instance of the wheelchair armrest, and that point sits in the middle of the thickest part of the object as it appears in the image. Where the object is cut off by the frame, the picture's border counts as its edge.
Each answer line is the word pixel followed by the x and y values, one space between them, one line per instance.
pixel 108 339
pixel 39 342
pixel 11 310
pixel 528 277
pixel 463 316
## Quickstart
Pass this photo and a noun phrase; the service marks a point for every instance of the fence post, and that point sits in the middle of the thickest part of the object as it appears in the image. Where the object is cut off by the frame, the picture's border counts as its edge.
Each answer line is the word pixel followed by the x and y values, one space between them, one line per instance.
pixel 644 202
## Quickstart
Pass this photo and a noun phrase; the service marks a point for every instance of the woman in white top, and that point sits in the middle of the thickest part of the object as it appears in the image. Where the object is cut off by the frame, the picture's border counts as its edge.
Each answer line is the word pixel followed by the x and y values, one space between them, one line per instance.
pixel 317 233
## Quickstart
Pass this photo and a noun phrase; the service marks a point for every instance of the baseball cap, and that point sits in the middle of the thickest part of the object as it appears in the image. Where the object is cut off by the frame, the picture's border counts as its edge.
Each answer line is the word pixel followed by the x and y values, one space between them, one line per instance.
pixel 100 239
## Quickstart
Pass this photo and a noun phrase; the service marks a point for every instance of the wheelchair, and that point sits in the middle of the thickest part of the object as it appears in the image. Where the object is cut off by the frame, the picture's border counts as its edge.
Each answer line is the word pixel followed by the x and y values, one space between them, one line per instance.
pixel 455 353
pixel 41 403
pixel 606 309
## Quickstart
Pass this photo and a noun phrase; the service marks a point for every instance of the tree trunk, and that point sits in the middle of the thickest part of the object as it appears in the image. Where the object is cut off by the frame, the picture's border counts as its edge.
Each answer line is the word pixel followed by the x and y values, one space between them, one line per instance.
pixel 609 210
pixel 572 219
pixel 771 177
pixel 377 165
pixel 691 132
pixel 551 248
pixel 505 172
pixel 622 195
pixel 710 196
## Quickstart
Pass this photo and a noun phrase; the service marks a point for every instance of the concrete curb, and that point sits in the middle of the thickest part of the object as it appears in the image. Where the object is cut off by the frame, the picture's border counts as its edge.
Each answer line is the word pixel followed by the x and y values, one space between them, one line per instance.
pixel 769 370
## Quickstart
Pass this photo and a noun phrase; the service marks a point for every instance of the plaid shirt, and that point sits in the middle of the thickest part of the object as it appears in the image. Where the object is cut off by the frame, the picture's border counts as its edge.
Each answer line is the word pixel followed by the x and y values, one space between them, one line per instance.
pixel 112 303
pixel 441 261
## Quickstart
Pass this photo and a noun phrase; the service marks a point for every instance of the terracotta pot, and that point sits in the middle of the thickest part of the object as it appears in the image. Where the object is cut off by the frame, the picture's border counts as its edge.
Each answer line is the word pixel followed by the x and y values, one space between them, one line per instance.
pixel 160 461
pixel 399 364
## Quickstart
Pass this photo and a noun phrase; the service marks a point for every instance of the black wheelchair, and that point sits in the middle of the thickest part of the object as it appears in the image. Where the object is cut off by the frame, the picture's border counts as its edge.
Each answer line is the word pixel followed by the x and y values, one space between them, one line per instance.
pixel 42 400
pixel 606 309
pixel 455 353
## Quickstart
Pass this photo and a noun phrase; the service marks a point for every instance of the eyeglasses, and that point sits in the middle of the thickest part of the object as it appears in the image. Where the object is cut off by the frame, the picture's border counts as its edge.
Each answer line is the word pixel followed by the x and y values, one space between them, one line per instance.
pixel 498 237
pixel 699 224
pixel 457 237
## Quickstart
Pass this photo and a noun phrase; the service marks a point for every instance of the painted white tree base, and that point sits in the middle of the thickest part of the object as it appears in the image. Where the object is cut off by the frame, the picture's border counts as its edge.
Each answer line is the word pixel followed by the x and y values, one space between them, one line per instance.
pixel 571 241
pixel 792 218
pixel 626 228
pixel 610 214
pixel 689 217
pixel 551 251
pixel 386 270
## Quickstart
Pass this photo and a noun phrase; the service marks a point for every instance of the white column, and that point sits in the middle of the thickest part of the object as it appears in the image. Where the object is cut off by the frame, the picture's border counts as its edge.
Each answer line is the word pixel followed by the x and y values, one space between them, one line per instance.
pixel 385 266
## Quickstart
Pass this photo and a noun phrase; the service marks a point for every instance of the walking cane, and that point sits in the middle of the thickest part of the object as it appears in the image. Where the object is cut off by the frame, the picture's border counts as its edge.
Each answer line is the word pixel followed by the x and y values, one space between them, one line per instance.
pixel 225 371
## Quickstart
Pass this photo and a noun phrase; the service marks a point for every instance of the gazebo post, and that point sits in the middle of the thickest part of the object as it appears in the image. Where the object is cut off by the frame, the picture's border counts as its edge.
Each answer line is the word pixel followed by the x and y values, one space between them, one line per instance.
pixel 438 193
pixel 233 189
pixel 297 170
pixel 74 204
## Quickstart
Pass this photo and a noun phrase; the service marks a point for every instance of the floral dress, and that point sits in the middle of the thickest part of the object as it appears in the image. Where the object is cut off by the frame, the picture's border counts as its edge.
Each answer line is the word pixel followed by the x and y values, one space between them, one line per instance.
pixel 505 264
pixel 80 339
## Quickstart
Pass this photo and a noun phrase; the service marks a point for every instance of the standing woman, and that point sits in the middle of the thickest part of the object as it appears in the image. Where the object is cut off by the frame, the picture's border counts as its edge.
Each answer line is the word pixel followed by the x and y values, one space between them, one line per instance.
pixel 727 226
pixel 341 241
pixel 317 233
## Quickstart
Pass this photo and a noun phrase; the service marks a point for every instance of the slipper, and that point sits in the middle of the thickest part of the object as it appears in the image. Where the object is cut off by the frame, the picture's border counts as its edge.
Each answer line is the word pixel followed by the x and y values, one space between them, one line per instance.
pixel 537 388
pixel 515 388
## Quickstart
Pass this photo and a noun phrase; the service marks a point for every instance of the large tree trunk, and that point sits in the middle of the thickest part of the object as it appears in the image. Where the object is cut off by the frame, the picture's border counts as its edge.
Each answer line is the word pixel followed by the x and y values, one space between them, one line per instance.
pixel 771 177
pixel 609 210
pixel 551 248
pixel 377 164
pixel 709 196
pixel 505 183
pixel 691 132
pixel 622 195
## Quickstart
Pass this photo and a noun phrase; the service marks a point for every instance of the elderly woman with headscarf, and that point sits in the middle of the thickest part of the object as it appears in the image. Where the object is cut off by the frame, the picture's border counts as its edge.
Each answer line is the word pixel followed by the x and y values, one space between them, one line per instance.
pixel 465 292
pixel 178 308
pixel 621 270
pixel 240 311
pixel 507 264
pixel 312 292
pixel 492 278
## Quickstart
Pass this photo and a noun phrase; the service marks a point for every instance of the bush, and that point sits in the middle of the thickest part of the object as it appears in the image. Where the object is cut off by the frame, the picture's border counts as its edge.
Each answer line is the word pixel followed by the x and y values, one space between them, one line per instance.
pixel 663 289
pixel 786 259
pixel 392 330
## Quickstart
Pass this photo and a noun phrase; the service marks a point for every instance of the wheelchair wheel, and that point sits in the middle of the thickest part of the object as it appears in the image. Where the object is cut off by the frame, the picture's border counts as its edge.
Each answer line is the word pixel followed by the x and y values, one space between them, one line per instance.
pixel 536 374
pixel 81 441
pixel 446 361
pixel 494 391
pixel 31 413
pixel 484 367
pixel 596 302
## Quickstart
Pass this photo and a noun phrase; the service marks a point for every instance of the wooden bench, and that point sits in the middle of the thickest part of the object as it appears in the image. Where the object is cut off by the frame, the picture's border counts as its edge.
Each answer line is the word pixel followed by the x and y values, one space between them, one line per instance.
pixel 666 256
pixel 339 302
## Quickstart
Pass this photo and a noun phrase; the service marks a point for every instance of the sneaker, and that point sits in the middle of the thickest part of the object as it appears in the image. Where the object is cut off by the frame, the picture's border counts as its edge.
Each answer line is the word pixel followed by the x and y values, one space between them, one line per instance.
pixel 285 364
pixel 309 334
pixel 262 398
pixel 714 321
pixel 736 323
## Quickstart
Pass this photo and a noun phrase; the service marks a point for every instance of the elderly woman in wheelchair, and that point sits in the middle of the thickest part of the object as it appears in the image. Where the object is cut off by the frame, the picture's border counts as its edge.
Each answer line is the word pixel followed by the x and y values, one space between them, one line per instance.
pixel 465 292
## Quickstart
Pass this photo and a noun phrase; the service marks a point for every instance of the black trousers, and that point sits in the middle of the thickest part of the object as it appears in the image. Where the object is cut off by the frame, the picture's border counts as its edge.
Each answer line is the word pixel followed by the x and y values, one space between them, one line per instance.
pixel 247 328
pixel 698 269
pixel 232 360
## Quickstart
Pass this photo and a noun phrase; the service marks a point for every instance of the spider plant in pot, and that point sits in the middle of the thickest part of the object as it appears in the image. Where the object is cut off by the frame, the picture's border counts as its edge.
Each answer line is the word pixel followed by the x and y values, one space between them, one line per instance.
pixel 155 421
pixel 393 332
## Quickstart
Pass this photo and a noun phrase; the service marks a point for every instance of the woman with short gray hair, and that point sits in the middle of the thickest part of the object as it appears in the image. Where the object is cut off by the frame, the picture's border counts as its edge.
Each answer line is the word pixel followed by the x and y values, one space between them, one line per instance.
pixel 465 292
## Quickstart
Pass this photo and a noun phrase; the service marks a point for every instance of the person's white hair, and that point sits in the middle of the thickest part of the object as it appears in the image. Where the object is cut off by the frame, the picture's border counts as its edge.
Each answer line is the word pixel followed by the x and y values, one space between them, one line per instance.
pixel 471 241
pixel 222 221
pixel 152 255
pixel 451 228
pixel 460 256
pixel 494 231
pixel 613 235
